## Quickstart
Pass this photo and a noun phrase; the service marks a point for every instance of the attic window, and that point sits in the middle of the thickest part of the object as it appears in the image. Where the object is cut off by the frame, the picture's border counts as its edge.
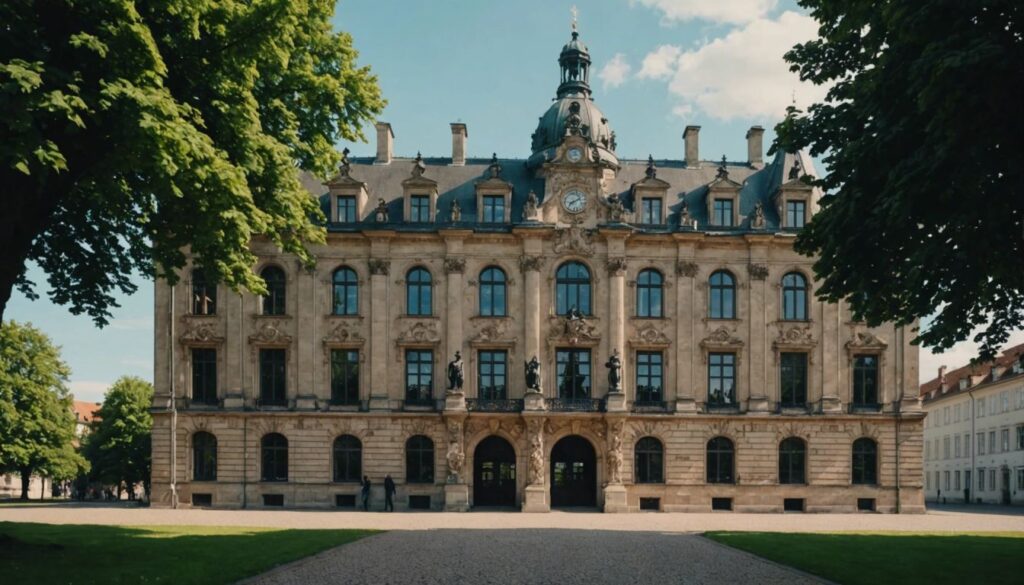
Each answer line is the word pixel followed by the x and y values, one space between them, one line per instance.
pixel 723 212
pixel 651 211
pixel 963 383
pixel 1018 366
pixel 346 208
pixel 419 208
pixel 493 209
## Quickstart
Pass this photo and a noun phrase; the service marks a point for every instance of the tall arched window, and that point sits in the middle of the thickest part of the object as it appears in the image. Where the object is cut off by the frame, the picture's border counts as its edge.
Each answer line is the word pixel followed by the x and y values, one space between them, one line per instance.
pixel 419 289
pixel 572 288
pixel 492 292
pixel 345 285
pixel 794 297
pixel 722 300
pixel 649 296
pixel 865 462
pixel 204 457
pixel 204 294
pixel 274 457
pixel 792 461
pixel 649 461
pixel 348 459
pixel 721 461
pixel 273 302
pixel 419 460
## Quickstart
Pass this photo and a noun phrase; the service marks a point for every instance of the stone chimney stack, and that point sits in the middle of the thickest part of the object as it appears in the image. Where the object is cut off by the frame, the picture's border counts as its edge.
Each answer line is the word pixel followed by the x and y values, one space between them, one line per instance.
pixel 385 143
pixel 459 136
pixel 690 138
pixel 942 375
pixel 755 147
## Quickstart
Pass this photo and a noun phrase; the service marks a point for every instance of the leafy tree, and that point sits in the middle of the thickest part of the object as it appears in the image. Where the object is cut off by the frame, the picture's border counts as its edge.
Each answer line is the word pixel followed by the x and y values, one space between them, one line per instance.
pixel 922 133
pixel 37 425
pixel 119 446
pixel 134 129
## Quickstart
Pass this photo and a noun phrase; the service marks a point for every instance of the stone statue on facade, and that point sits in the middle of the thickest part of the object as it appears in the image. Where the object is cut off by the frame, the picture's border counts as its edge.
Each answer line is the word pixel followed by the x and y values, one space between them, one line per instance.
pixel 456 211
pixel 530 212
pixel 685 222
pixel 614 366
pixel 456 456
pixel 535 428
pixel 616 210
pixel 380 215
pixel 456 374
pixel 533 375
pixel 615 453
pixel 757 222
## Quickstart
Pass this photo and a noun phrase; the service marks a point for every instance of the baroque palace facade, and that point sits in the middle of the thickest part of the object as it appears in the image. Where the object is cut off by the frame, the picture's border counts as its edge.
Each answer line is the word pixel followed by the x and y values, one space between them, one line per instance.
pixel 572 329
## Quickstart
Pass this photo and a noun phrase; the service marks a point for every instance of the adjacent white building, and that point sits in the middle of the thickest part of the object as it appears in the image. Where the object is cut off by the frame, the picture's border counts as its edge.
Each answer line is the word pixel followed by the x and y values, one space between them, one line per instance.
pixel 974 432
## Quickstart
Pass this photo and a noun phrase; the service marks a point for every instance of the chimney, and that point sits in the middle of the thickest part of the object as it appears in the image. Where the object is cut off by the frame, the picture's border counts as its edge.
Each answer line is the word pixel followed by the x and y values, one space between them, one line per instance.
pixel 459 136
pixel 755 147
pixel 692 152
pixel 385 143
pixel 942 375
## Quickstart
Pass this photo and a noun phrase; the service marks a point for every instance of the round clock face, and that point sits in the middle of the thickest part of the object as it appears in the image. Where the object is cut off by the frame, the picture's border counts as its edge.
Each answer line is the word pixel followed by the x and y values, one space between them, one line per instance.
pixel 575 155
pixel 574 201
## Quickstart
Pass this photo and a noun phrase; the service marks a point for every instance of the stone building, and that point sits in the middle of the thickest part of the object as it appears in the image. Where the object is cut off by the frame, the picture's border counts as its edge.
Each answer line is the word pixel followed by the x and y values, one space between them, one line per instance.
pixel 974 432
pixel 632 335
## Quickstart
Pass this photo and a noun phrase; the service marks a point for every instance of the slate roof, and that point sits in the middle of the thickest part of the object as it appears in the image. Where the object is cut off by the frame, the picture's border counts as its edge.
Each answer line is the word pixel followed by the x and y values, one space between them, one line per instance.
pixel 933 389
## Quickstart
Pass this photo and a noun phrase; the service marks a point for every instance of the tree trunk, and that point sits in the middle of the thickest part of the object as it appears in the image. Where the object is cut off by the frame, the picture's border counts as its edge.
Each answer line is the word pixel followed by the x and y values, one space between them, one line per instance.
pixel 26 479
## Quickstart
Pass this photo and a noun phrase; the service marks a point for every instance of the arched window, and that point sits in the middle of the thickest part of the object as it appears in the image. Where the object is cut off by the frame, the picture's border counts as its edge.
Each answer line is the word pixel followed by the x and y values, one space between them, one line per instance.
pixel 722 301
pixel 793 461
pixel 204 294
pixel 721 460
pixel 348 459
pixel 419 460
pixel 273 303
pixel 346 291
pixel 649 296
pixel 419 290
pixel 274 456
pixel 794 297
pixel 492 292
pixel 865 462
pixel 204 457
pixel 572 288
pixel 649 461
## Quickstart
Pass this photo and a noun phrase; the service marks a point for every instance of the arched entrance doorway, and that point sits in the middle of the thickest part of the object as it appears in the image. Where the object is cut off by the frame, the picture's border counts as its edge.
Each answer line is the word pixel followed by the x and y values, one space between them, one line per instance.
pixel 573 473
pixel 494 473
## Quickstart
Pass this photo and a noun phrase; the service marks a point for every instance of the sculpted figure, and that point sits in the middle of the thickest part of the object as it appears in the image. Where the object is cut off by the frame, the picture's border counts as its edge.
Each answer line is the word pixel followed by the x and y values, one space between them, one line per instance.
pixel 614 366
pixel 530 207
pixel 456 211
pixel 615 453
pixel 533 375
pixel 380 215
pixel 456 376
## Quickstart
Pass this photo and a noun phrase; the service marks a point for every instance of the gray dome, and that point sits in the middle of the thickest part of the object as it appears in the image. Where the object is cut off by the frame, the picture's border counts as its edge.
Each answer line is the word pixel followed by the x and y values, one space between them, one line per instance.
pixel 577 115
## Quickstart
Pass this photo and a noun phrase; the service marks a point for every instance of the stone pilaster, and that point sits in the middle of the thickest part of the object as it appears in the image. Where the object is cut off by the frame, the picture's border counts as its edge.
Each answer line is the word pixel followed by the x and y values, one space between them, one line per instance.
pixel 831 358
pixel 380 269
pixel 535 496
pixel 757 383
pixel 686 318
pixel 614 490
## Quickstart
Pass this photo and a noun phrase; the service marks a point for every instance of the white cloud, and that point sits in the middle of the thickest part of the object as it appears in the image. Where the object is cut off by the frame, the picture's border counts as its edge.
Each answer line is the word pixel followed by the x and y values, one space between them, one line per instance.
pixel 614 72
pixel 741 75
pixel 955 357
pixel 88 390
pixel 660 63
pixel 725 11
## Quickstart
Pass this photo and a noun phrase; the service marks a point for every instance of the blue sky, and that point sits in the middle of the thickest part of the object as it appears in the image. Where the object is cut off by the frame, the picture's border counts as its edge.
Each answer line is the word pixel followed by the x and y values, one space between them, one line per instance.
pixel 658 65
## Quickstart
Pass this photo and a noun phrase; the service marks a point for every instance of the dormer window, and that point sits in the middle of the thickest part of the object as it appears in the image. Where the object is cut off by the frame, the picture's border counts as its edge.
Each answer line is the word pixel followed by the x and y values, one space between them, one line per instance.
pixel 963 383
pixel 347 209
pixel 419 208
pixel 1018 366
pixel 796 214
pixel 493 209
pixel 723 213
pixel 651 211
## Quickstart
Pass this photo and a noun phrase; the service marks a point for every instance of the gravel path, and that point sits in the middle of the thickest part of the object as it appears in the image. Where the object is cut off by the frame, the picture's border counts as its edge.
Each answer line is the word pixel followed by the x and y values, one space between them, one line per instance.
pixel 566 557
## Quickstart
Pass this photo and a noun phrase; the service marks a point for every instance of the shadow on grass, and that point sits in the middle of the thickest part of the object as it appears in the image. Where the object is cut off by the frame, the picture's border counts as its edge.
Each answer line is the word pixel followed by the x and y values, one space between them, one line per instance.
pixel 856 559
pixel 43 553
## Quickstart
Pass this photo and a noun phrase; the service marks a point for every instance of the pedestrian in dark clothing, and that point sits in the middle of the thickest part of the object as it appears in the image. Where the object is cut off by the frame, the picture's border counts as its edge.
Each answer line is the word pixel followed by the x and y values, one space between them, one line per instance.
pixel 389 493
pixel 366 493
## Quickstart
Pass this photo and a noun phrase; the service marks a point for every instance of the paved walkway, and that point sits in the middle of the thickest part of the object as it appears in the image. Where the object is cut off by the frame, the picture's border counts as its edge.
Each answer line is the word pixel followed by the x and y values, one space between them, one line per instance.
pixel 593 557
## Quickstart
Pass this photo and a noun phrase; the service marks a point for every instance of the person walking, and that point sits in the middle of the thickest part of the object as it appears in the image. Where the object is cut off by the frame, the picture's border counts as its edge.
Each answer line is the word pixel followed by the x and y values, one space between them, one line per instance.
pixel 366 493
pixel 389 493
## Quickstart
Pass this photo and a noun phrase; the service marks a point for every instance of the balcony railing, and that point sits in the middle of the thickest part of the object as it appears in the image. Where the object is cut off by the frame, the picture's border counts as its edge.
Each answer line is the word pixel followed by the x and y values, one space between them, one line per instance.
pixel 575 404
pixel 493 405
pixel 650 406
pixel 420 403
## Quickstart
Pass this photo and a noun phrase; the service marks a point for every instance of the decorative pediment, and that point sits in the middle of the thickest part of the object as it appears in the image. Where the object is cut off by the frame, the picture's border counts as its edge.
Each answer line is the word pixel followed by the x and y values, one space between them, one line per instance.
pixel 343 178
pixel 492 334
pixel 270 333
pixel 202 332
pixel 795 336
pixel 574 330
pixel 574 239
pixel 344 333
pixel 493 180
pixel 650 182
pixel 420 332
pixel 865 342
pixel 722 182
pixel 722 339
pixel 416 178
pixel 649 335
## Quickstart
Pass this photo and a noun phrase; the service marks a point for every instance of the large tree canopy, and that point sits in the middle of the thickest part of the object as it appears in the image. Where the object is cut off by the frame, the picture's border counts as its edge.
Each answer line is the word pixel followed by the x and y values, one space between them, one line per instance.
pixel 118 448
pixel 37 425
pixel 132 130
pixel 923 137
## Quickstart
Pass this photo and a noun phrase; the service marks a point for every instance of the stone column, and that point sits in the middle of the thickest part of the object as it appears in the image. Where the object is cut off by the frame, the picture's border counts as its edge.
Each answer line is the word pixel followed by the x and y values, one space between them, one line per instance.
pixel 535 497
pixel 756 388
pixel 614 490
pixel 686 271
pixel 530 264
pixel 454 267
pixel 831 358
pixel 456 491
pixel 616 398
pixel 380 269
pixel 303 306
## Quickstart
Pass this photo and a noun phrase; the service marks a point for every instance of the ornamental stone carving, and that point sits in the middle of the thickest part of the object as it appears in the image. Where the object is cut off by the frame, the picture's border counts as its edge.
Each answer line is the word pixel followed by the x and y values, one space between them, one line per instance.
pixel 379 266
pixel 270 332
pixel 530 211
pixel 532 371
pixel 795 335
pixel 686 268
pixel 722 339
pixel 535 432
pixel 344 333
pixel 201 333
pixel 616 266
pixel 456 454
pixel 454 265
pixel 616 210
pixel 420 332
pixel 574 329
pixel 615 431
pixel 492 333
pixel 573 239
pixel 757 271
pixel 757 221
pixel 651 336
pixel 527 263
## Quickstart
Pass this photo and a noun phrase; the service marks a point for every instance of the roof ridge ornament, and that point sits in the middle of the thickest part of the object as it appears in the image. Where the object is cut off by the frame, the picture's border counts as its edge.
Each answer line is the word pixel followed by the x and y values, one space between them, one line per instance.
pixel 495 167
pixel 575 18
pixel 723 171
pixel 345 167
pixel 652 171
pixel 796 170
pixel 418 167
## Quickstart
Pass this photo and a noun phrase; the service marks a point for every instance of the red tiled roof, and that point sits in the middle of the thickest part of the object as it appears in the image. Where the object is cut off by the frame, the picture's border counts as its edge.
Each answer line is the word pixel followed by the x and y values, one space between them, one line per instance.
pixel 86 412
pixel 952 378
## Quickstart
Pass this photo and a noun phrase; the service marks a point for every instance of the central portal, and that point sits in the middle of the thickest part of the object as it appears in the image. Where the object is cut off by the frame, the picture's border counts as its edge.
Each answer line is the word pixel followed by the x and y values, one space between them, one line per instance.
pixel 573 473
pixel 494 473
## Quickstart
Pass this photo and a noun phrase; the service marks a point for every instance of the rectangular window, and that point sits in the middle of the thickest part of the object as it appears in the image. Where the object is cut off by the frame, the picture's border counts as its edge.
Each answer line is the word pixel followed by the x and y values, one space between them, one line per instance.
pixel 956 413
pixel 721 379
pixel 346 209
pixel 945 477
pixel 1020 478
pixel 272 377
pixel 967 445
pixel 945 416
pixel 572 369
pixel 981 479
pixel 723 212
pixel 992 480
pixel 419 376
pixel 945 447
pixel 1020 438
pixel 865 380
pixel 491 372
pixel 796 214
pixel 419 208
pixel 204 375
pixel 992 442
pixel 956 480
pixel 651 211
pixel 956 446
pixel 1004 440
pixel 345 376
pixel 793 370
pixel 1004 402
pixel 981 408
pixel 980 442
pixel 649 376
pixel 494 209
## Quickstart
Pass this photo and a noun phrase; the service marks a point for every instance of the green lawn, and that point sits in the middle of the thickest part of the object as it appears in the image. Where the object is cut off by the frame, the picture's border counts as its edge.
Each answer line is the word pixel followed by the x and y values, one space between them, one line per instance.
pixel 73 554
pixel 893 557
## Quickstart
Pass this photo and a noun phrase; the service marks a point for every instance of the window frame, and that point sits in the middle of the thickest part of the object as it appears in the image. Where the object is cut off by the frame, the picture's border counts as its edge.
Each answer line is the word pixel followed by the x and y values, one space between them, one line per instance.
pixel 347 454
pixel 493 283
pixel 278 376
pixel 209 395
pixel 650 294
pixel 721 356
pixel 649 461
pixel 490 213
pixel 485 359
pixel 857 390
pixel 561 365
pixel 419 456
pixel 419 292
pixel 868 464
pixel 417 207
pixel 344 291
pixel 797 385
pixel 719 213
pixel 723 456
pixel 795 297
pixel 350 201
pixel 793 461
pixel 652 210
pixel 571 287
pixel 278 457
pixel 204 294
pixel 419 392
pixel 644 388
pixel 724 292
pixel 204 456
pixel 274 303
pixel 792 213
pixel 345 394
